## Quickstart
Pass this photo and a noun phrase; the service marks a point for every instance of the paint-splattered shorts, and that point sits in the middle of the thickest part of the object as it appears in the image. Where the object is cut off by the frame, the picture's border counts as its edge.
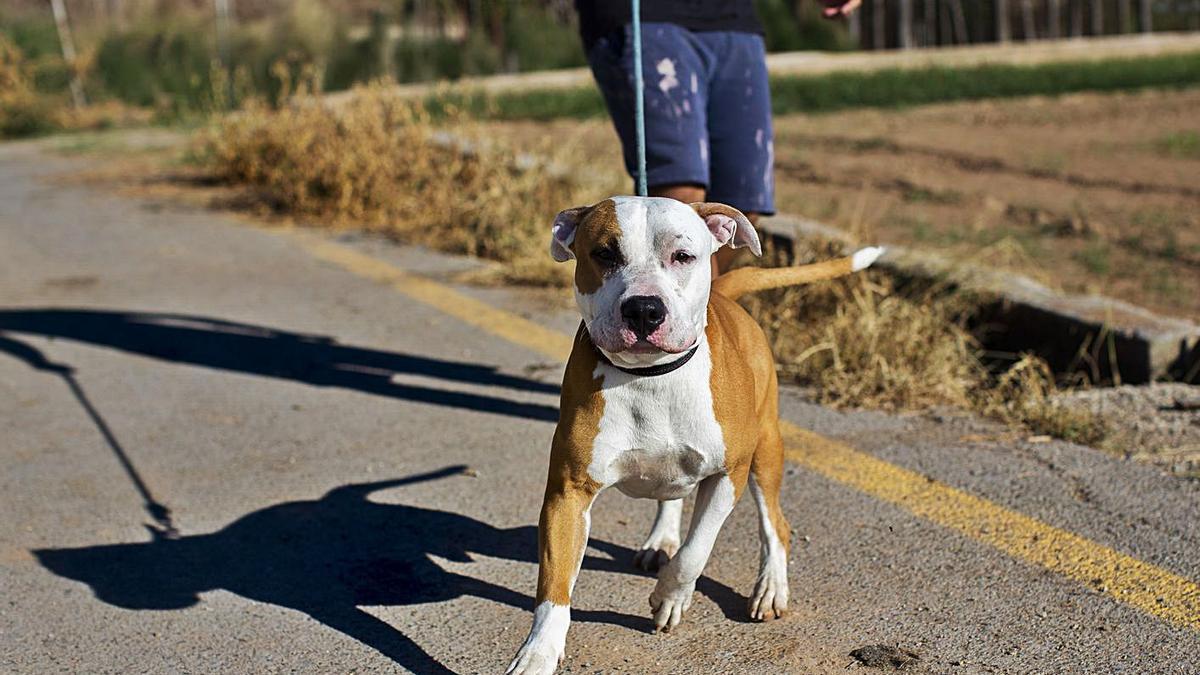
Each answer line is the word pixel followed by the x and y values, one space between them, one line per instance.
pixel 708 110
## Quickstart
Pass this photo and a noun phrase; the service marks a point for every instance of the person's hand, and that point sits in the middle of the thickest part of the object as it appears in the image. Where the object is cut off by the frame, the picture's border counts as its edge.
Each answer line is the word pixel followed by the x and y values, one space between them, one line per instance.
pixel 838 9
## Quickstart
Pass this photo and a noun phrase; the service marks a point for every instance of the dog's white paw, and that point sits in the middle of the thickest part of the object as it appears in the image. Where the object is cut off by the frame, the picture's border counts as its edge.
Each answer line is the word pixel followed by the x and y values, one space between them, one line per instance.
pixel 655 554
pixel 668 602
pixel 770 598
pixel 547 641
pixel 535 659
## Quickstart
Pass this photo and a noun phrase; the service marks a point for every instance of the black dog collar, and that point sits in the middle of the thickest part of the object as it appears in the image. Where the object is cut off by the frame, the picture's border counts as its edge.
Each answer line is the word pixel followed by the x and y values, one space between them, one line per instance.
pixel 649 371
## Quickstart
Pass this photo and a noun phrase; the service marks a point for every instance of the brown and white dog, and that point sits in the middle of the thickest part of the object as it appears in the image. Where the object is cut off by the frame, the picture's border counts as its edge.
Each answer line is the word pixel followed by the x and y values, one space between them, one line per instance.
pixel 670 385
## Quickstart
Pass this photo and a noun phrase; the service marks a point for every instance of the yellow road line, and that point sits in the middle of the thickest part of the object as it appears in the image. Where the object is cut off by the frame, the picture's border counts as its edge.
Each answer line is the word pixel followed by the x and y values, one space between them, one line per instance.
pixel 1148 587
pixel 477 313
pixel 1137 583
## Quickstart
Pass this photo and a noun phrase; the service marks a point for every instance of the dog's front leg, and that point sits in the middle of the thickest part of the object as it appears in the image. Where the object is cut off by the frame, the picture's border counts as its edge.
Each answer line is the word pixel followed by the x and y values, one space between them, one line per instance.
pixel 562 538
pixel 677 581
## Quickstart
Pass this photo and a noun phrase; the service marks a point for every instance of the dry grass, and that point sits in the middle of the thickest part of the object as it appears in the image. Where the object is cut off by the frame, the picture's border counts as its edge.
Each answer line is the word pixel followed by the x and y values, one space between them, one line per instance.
pixel 861 345
pixel 1024 393
pixel 12 71
pixel 26 112
pixel 22 111
pixel 862 342
pixel 382 163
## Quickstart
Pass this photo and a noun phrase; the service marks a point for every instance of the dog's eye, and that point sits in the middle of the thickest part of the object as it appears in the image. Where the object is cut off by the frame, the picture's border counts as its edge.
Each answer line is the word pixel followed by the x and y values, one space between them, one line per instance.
pixel 682 257
pixel 606 256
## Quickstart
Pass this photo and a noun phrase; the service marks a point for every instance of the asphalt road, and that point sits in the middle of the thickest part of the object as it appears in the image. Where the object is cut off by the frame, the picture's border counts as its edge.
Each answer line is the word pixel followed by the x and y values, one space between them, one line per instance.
pixel 234 449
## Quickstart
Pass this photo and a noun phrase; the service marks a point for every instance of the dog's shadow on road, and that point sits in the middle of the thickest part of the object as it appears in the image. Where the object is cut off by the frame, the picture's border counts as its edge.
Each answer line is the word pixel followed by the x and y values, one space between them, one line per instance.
pixel 330 556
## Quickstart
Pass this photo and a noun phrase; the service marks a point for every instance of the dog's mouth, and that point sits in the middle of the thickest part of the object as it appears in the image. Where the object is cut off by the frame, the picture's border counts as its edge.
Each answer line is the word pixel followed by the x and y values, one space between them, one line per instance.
pixel 619 339
pixel 655 345
pixel 658 342
pixel 643 346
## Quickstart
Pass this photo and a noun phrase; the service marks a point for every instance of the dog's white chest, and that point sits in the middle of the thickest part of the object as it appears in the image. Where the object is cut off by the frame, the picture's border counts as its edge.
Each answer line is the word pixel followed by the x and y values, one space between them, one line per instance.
pixel 658 435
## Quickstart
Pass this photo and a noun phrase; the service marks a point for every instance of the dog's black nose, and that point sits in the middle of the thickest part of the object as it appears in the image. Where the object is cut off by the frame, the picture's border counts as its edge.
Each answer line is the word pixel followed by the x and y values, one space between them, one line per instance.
pixel 643 314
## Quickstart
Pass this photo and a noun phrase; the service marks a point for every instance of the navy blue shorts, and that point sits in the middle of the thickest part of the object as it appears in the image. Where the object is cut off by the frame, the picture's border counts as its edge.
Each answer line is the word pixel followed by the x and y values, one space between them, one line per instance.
pixel 708 110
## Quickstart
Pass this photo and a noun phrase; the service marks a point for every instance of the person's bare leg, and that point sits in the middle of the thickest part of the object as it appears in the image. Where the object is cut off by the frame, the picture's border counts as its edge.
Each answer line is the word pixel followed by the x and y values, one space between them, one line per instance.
pixel 688 194
pixel 684 193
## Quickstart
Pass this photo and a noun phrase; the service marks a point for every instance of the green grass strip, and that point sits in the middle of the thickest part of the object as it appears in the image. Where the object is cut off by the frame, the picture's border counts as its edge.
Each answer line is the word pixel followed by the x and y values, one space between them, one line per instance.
pixel 897 87
pixel 889 88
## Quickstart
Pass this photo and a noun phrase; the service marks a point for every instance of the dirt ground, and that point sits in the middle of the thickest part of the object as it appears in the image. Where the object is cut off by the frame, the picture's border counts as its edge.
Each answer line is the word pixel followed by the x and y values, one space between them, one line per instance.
pixel 1089 193
pixel 1158 424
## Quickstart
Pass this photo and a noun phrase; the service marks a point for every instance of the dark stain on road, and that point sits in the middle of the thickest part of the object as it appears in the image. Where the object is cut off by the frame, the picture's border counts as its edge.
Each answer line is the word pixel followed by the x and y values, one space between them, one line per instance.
pixel 72 283
pixel 885 656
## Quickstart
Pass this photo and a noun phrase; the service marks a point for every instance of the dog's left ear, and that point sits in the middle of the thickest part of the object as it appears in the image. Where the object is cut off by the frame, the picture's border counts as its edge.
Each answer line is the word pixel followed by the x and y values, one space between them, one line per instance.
pixel 728 226
pixel 562 233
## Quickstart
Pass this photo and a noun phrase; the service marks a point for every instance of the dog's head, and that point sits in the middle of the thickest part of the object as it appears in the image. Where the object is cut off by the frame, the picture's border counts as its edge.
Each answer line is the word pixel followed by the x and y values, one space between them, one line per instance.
pixel 642 275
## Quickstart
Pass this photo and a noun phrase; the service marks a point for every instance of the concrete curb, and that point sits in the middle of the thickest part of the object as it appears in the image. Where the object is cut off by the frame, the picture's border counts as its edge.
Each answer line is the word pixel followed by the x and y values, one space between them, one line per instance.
pixel 1070 331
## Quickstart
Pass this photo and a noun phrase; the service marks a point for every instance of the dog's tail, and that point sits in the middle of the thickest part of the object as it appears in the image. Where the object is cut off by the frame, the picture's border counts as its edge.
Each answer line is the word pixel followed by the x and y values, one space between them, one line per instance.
pixel 745 280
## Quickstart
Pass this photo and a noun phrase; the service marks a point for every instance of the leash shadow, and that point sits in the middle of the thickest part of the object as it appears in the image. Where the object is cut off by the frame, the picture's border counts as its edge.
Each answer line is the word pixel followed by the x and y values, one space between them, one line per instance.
pixel 268 352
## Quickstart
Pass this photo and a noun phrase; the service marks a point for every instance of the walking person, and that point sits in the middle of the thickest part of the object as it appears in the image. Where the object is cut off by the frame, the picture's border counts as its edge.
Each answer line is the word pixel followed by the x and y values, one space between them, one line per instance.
pixel 707 97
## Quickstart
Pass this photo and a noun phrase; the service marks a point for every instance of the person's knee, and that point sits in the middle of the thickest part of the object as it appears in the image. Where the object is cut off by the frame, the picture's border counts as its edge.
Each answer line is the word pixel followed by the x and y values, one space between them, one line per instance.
pixel 684 193
pixel 724 258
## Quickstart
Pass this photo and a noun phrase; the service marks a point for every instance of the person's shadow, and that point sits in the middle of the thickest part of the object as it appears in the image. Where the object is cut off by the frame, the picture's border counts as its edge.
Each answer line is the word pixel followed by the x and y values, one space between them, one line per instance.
pixel 269 352
pixel 326 558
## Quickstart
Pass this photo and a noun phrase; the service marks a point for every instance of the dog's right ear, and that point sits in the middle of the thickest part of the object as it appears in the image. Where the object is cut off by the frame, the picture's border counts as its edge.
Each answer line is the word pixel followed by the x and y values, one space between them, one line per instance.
pixel 729 226
pixel 562 233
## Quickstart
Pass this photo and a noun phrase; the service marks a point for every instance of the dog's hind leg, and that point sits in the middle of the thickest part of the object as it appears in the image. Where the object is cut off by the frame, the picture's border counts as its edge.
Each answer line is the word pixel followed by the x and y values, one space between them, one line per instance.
pixel 770 597
pixel 663 540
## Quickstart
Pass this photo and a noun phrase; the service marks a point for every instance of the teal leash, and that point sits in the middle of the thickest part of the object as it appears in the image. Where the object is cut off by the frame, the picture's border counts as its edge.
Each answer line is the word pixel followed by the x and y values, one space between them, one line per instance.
pixel 639 99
